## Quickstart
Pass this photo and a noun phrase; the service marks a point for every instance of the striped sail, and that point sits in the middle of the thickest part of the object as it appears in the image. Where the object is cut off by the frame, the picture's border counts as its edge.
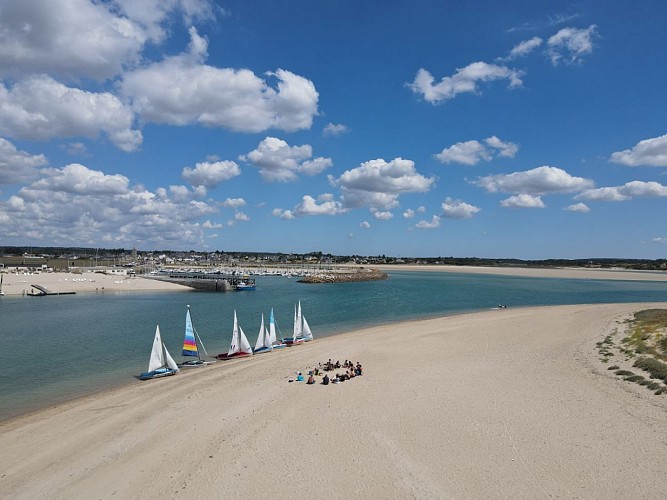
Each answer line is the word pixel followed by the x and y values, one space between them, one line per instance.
pixel 189 343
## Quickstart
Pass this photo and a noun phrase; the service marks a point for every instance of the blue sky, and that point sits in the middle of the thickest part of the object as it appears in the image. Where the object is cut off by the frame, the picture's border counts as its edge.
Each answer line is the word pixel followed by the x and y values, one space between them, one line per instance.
pixel 422 128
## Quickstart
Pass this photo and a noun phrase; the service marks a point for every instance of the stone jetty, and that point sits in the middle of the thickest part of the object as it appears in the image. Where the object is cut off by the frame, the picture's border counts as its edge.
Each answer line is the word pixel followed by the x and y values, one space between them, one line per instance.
pixel 345 276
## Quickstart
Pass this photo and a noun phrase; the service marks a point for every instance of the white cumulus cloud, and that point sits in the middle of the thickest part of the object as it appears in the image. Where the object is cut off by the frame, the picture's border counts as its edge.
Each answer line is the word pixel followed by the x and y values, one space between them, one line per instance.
pixel 538 181
pixel 625 192
pixel 457 209
pixel 649 152
pixel 378 183
pixel 18 166
pixel 78 206
pixel 434 223
pixel 581 208
pixel 40 108
pixel 182 90
pixel 472 152
pixel 278 161
pixel 522 201
pixel 465 80
pixel 211 174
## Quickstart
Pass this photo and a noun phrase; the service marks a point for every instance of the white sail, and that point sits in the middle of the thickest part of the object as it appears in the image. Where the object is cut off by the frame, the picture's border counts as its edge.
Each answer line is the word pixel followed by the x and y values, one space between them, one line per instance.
pixel 272 327
pixel 244 344
pixel 267 339
pixel 262 337
pixel 298 332
pixel 234 346
pixel 307 334
pixel 157 357
pixel 170 361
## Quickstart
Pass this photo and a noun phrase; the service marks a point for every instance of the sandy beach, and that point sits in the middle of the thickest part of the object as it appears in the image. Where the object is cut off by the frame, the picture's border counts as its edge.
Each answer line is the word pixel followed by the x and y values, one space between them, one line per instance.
pixel 532 272
pixel 21 284
pixel 500 404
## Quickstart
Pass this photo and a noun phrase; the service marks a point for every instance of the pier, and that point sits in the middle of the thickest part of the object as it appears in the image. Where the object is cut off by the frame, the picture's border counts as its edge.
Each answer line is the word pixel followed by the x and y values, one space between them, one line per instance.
pixel 209 282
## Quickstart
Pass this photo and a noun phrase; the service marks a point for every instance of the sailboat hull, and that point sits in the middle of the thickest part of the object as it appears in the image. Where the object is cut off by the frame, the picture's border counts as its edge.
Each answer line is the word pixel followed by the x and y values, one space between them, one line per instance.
pixel 160 372
pixel 193 363
pixel 261 350
pixel 224 356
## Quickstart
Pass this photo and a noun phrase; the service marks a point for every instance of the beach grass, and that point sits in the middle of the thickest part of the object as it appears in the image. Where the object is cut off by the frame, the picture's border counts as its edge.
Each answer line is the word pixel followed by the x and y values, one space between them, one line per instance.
pixel 644 341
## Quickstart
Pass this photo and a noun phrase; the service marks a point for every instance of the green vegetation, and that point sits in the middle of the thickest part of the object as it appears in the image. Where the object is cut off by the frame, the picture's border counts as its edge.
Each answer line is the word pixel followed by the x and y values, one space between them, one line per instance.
pixel 657 369
pixel 646 339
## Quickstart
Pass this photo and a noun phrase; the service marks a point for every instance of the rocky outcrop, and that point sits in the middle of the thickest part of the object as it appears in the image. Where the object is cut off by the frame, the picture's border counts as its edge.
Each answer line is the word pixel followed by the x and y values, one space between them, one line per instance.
pixel 346 276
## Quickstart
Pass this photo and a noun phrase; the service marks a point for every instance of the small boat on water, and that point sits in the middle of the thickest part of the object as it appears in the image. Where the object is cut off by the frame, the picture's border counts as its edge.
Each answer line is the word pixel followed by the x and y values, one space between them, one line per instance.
pixel 191 344
pixel 245 284
pixel 240 347
pixel 161 364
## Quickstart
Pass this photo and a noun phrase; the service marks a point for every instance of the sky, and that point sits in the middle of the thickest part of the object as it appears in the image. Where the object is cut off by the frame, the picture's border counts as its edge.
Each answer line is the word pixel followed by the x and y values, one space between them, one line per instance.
pixel 404 128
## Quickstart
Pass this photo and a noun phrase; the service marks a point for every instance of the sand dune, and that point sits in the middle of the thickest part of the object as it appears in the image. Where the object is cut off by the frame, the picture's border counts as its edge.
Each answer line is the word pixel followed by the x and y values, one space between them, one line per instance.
pixel 499 404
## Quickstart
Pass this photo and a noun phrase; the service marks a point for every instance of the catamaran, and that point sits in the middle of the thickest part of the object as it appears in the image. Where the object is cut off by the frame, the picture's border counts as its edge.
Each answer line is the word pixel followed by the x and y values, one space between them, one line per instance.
pixel 191 344
pixel 302 332
pixel 240 346
pixel 263 343
pixel 274 332
pixel 161 364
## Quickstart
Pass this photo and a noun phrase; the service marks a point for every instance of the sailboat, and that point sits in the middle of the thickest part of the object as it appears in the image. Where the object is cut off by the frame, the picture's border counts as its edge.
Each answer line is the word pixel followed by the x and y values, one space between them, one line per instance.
pixel 161 364
pixel 263 343
pixel 2 276
pixel 274 332
pixel 191 344
pixel 302 332
pixel 240 346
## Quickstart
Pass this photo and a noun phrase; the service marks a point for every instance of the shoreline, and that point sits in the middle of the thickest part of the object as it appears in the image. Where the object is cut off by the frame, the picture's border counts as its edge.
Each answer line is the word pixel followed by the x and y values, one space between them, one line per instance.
pixel 502 396
pixel 532 272
pixel 89 282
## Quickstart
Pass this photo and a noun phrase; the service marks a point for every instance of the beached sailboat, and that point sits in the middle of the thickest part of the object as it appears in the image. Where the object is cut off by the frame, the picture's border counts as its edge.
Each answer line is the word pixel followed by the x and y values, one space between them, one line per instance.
pixel 302 332
pixel 275 336
pixel 191 344
pixel 263 343
pixel 240 346
pixel 2 276
pixel 161 364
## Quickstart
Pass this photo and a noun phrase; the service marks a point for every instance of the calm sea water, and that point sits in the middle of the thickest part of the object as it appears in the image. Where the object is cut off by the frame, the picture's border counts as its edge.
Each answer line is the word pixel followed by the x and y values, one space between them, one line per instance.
pixel 61 347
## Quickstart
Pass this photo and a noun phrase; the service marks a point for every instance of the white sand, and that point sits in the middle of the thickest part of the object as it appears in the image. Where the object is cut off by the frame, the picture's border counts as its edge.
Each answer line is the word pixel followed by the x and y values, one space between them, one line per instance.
pixel 500 404
pixel 18 284
pixel 530 272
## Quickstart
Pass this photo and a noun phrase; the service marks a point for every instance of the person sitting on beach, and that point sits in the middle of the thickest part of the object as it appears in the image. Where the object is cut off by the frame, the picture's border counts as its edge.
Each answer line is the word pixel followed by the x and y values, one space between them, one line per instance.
pixel 336 379
pixel 299 377
pixel 311 379
pixel 325 380
pixel 337 365
pixel 358 369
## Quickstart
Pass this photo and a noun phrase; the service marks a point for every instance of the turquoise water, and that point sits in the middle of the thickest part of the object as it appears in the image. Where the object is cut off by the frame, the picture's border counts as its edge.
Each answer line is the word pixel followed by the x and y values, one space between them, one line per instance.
pixel 60 347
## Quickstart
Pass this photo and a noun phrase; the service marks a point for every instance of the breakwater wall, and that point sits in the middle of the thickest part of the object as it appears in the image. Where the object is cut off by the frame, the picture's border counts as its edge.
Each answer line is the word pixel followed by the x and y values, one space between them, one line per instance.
pixel 346 276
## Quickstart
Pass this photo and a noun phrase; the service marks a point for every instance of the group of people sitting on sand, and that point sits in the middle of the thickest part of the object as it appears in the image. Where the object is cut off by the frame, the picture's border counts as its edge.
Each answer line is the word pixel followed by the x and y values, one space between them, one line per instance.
pixel 351 371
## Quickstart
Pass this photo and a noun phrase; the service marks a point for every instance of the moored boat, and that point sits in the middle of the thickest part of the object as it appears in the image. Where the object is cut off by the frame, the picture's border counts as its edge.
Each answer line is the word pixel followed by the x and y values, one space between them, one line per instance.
pixel 161 364
pixel 191 344
pixel 240 347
